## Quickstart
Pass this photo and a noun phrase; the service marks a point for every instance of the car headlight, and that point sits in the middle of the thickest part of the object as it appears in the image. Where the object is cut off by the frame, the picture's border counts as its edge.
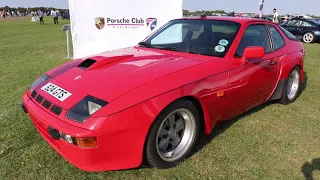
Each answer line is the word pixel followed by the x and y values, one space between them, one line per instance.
pixel 85 108
pixel 38 81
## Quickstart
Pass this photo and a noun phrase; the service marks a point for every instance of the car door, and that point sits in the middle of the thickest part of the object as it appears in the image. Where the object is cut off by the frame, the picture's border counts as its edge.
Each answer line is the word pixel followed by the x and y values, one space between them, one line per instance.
pixel 250 84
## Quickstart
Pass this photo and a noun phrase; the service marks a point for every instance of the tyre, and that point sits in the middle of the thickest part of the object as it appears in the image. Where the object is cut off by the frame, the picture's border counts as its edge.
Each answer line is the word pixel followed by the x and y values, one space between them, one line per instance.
pixel 292 87
pixel 309 38
pixel 173 135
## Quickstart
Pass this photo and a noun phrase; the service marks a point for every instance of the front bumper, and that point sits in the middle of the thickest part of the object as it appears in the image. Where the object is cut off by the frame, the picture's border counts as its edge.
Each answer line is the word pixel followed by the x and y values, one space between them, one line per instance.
pixel 115 150
pixel 318 38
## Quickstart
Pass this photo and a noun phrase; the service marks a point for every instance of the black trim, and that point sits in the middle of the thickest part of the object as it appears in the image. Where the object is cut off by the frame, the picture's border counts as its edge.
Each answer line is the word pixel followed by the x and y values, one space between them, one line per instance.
pixel 34 94
pixel 56 110
pixel 24 108
pixel 55 134
pixel 39 99
pixel 277 94
pixel 47 104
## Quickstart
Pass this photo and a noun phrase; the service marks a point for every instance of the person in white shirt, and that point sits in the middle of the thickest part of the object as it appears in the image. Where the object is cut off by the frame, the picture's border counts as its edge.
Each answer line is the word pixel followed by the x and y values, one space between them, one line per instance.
pixel 55 15
pixel 275 16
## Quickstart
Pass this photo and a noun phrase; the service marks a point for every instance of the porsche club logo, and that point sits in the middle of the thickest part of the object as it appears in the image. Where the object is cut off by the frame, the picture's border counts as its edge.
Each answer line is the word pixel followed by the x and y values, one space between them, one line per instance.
pixel 152 23
pixel 100 22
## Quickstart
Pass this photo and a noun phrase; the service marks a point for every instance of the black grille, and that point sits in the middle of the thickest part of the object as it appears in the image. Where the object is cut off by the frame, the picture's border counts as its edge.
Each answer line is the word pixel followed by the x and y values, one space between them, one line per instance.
pixel 47 104
pixel 55 109
pixel 39 99
pixel 34 94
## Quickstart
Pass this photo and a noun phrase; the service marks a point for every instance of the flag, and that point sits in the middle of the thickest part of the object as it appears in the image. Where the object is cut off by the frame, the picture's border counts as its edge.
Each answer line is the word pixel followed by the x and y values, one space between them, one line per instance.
pixel 261 3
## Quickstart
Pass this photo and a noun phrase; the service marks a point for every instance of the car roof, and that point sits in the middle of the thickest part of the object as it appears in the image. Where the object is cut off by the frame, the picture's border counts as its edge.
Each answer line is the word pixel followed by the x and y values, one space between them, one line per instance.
pixel 241 20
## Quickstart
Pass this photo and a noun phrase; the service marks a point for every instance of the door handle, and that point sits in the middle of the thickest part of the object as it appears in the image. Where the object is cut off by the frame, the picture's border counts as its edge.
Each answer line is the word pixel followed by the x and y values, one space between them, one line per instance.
pixel 273 62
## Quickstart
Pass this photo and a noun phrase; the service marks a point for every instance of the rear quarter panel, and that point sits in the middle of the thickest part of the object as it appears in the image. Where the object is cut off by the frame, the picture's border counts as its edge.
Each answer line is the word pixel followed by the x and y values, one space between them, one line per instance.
pixel 293 57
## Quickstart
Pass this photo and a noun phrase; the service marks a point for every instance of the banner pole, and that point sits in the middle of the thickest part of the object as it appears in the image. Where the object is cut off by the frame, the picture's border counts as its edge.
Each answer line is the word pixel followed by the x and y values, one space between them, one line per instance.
pixel 68 48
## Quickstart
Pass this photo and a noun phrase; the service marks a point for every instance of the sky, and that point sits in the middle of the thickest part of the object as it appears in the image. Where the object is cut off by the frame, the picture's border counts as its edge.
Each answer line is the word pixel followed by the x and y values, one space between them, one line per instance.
pixel 284 6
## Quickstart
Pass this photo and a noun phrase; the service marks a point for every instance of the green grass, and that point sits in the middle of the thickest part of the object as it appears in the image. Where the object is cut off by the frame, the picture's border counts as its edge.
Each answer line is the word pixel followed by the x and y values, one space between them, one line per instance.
pixel 270 142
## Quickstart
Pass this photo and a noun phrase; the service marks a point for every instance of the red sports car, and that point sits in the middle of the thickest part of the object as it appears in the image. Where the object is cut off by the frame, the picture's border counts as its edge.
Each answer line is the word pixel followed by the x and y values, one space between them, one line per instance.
pixel 152 101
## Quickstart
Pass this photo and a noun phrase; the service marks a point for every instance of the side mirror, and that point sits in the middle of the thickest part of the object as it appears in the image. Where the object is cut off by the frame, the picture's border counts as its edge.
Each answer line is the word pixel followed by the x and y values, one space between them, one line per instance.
pixel 252 52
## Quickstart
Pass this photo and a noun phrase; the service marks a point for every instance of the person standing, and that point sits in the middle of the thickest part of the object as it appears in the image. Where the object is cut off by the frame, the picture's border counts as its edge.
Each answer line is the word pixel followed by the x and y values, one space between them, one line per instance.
pixel 41 15
pixel 55 16
pixel 3 13
pixel 275 16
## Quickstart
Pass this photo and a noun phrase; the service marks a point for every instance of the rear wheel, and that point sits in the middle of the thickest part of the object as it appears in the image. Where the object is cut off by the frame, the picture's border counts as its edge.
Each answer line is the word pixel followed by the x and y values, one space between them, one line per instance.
pixel 292 87
pixel 173 135
pixel 309 37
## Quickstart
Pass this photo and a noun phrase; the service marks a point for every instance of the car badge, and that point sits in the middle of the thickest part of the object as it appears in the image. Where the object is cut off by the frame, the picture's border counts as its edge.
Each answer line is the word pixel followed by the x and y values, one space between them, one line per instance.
pixel 76 78
pixel 100 22
pixel 152 23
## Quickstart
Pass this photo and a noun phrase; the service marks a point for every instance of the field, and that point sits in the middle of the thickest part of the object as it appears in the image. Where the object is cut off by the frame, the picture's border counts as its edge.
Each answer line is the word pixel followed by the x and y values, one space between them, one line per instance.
pixel 272 141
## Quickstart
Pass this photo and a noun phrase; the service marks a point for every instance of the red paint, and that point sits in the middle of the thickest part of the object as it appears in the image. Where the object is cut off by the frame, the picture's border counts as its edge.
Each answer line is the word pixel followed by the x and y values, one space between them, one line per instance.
pixel 140 82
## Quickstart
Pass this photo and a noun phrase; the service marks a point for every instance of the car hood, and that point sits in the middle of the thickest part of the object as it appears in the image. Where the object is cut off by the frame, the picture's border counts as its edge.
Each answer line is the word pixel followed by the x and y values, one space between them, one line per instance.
pixel 111 74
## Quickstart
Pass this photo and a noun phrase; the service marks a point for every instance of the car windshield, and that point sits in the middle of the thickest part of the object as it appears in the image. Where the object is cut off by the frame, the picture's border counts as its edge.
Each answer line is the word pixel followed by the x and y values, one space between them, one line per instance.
pixel 204 37
pixel 315 21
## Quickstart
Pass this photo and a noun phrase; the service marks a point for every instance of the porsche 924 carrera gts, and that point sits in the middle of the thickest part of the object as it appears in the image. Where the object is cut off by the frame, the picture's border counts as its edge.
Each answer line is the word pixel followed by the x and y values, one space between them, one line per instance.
pixel 112 110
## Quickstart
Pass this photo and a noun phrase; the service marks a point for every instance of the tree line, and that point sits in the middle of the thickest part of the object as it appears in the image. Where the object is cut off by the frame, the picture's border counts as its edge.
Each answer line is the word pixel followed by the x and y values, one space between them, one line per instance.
pixel 30 9
pixel 187 12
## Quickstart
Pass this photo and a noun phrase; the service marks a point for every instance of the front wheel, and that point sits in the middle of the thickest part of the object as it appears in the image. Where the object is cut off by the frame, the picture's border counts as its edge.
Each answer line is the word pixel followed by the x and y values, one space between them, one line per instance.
pixel 173 134
pixel 292 87
pixel 309 37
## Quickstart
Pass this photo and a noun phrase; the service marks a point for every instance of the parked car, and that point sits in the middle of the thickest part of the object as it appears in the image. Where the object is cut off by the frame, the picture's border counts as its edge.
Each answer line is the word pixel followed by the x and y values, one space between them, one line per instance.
pixel 308 30
pixel 153 101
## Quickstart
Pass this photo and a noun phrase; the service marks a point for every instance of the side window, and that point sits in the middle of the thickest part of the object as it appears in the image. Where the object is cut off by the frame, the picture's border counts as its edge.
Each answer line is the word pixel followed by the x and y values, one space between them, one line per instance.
pixel 299 23
pixel 291 23
pixel 306 24
pixel 277 39
pixel 255 35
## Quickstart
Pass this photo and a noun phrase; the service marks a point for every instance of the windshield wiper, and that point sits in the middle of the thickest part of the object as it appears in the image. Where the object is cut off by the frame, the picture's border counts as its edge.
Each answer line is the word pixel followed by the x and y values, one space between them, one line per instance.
pixel 166 48
pixel 145 44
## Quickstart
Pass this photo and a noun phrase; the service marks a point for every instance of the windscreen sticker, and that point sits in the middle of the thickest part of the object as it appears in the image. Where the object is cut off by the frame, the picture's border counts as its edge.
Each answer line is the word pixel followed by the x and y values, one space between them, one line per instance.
pixel 220 48
pixel 223 42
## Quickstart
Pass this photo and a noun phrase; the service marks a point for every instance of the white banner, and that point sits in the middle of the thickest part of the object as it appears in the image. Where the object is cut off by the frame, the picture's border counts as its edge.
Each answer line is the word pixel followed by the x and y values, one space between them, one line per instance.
pixel 104 25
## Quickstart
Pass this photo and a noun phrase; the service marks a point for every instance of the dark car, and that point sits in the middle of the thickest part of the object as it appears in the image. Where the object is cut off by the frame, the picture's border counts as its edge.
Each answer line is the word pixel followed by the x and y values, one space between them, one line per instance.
pixel 308 30
pixel 264 18
pixel 267 18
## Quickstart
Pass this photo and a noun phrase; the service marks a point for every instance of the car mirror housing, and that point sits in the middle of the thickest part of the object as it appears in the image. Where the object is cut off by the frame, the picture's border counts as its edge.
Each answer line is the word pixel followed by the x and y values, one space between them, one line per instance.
pixel 252 52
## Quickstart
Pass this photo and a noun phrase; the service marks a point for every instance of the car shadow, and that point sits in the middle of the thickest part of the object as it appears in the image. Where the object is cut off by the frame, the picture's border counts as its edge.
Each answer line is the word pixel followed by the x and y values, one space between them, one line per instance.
pixel 223 126
pixel 309 167
pixel 304 84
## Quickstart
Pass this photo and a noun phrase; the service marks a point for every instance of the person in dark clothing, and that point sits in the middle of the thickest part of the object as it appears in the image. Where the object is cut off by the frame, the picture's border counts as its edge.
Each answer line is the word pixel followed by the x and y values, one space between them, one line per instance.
pixel 41 14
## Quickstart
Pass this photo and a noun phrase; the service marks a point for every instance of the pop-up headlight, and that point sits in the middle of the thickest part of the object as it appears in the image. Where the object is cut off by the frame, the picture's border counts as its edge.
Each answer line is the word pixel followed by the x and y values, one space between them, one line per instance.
pixel 85 108
pixel 38 81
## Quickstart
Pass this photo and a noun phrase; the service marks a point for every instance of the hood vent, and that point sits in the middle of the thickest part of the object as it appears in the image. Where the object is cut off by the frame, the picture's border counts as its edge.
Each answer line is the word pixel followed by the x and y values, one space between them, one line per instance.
pixel 98 61
pixel 86 63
